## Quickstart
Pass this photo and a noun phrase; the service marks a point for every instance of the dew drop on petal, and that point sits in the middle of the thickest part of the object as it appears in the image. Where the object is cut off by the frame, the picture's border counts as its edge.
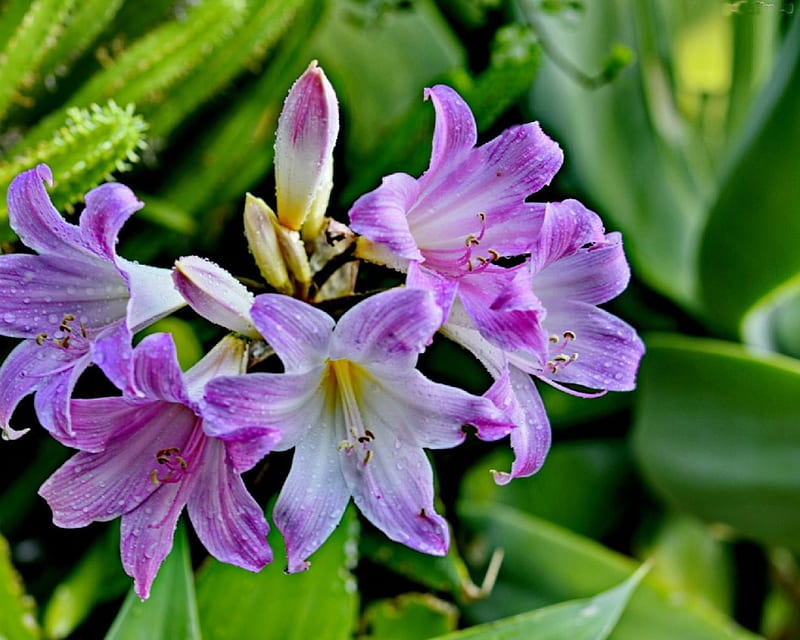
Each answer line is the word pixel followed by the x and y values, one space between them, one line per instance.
pixel 8 317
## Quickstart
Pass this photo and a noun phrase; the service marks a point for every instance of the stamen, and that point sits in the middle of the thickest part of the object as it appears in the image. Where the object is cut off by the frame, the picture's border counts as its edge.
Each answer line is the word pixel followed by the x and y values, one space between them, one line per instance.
pixel 175 465
pixel 41 338
pixel 367 456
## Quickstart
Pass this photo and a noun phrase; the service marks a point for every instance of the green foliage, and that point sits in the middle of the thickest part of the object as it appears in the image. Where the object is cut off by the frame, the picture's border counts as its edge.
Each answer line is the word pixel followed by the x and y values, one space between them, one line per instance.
pixel 17 616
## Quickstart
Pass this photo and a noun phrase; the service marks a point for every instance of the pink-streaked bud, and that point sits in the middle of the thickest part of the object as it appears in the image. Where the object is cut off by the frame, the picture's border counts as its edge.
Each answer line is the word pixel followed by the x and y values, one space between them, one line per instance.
pixel 215 294
pixel 307 131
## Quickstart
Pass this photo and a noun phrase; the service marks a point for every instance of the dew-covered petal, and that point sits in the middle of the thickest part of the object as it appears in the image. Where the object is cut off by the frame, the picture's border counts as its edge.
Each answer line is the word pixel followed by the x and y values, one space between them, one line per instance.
pixel 156 371
pixel 504 308
pixel 392 327
pixel 27 369
pixel 152 293
pixel 444 289
pixel 394 490
pixel 52 399
pixel 215 294
pixel 609 349
pixel 36 221
pixel 380 215
pixel 567 227
pixel 291 403
pixel 113 353
pixel 593 275
pixel 299 333
pixel 247 446
pixel 101 486
pixel 226 518
pixel 38 292
pixel 147 533
pixel 515 393
pixel 107 208
pixel 409 408
pixel 313 498
pixel 455 132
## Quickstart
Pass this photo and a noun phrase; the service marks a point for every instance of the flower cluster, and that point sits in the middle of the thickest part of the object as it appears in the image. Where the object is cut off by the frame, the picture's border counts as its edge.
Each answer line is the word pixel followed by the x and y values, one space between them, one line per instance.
pixel 515 282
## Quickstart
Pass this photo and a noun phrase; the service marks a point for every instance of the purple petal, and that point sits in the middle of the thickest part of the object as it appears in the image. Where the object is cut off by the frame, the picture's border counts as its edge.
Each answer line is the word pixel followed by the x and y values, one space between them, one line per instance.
pixel 229 523
pixel 247 446
pixel 299 333
pixel 410 408
pixel 455 132
pixel 152 293
pixel 52 400
pixel 394 490
pixel 38 292
pixel 291 403
pixel 567 227
pixel 157 373
pixel 391 328
pixel 227 358
pixel 313 498
pixel 215 294
pixel 503 307
pixel 594 275
pixel 380 215
pixel 516 394
pixel 443 289
pixel 147 533
pixel 107 208
pixel 113 353
pixel 35 220
pixel 609 350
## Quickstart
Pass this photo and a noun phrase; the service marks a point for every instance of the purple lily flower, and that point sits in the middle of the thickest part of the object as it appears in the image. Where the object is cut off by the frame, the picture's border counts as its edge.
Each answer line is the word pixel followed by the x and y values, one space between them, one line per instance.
pixel 574 267
pixel 358 414
pixel 75 303
pixel 158 458
pixel 447 228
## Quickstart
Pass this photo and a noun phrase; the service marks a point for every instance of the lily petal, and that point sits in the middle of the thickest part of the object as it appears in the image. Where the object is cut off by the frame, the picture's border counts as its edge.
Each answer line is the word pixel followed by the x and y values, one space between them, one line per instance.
pixel 107 208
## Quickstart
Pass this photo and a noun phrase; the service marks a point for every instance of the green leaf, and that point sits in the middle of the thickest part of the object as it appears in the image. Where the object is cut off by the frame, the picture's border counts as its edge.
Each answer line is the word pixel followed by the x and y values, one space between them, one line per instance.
pixel 590 619
pixel 319 603
pixel 411 616
pixel 545 564
pixel 17 617
pixel 171 610
pixel 749 255
pixel 96 578
pixel 717 433
pixel 86 149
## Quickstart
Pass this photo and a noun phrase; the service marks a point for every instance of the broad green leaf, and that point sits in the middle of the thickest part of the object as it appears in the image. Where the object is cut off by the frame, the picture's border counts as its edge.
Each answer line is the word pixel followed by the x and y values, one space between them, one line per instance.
pixel 749 256
pixel 319 603
pixel 17 616
pixel 171 609
pixel 545 564
pixel 96 578
pixel 410 616
pixel 582 486
pixel 590 619
pixel 717 431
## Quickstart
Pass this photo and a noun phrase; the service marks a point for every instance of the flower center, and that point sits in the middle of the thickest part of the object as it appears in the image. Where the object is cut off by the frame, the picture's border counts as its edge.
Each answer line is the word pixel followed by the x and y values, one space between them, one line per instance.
pixel 345 378
pixel 172 466
pixel 67 335
pixel 473 261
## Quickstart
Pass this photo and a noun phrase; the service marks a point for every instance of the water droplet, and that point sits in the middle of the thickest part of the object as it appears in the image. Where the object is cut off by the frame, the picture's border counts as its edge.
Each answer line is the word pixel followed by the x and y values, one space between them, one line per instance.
pixel 52 318
pixel 26 301
pixel 71 291
pixel 8 317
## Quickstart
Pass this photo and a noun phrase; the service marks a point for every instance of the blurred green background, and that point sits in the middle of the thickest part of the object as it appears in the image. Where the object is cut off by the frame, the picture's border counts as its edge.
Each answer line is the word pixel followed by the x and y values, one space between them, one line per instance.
pixel 679 121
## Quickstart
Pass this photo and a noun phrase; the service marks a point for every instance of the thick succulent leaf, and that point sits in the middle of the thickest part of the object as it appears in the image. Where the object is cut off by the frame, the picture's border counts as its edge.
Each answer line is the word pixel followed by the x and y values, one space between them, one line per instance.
pixel 717 433
pixel 171 609
pixel 319 603
pixel 17 617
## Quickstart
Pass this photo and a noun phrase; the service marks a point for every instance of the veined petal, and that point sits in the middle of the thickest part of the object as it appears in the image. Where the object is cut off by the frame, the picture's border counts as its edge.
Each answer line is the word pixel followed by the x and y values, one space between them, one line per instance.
pixel 38 292
pixel 147 533
pixel 392 327
pixel 226 518
pixel 36 221
pixel 609 350
pixel 107 208
pixel 53 397
pixel 215 294
pixel 380 215
pixel 247 446
pixel 100 486
pixel 113 353
pixel 227 358
pixel 444 289
pixel 503 307
pixel 313 498
pixel 567 227
pixel 291 403
pixel 394 490
pixel 299 333
pixel 455 132
pixel 594 275
pixel 516 393
pixel 157 373
pixel 152 293
pixel 307 131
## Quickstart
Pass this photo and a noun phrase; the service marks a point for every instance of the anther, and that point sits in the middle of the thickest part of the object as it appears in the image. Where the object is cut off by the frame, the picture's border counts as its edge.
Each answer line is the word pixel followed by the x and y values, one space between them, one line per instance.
pixel 471 240
pixel 41 338
pixel 569 335
pixel 367 456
